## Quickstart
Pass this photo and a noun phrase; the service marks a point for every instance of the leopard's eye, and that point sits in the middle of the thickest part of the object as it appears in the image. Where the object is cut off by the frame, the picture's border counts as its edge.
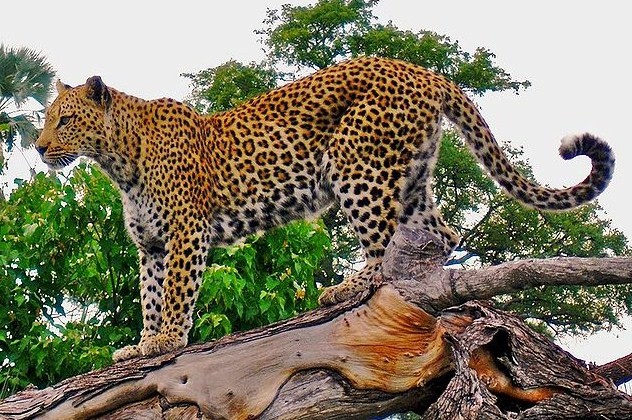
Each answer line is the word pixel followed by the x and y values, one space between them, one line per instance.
pixel 63 121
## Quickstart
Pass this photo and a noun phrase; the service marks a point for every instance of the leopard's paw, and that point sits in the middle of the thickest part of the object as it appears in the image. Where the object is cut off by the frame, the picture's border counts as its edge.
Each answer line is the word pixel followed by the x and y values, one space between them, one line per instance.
pixel 127 352
pixel 369 278
pixel 339 293
pixel 161 343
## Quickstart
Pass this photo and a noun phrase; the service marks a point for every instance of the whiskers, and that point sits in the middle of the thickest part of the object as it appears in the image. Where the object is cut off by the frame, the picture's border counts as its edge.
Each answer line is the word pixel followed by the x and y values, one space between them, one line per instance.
pixel 67 159
pixel 58 161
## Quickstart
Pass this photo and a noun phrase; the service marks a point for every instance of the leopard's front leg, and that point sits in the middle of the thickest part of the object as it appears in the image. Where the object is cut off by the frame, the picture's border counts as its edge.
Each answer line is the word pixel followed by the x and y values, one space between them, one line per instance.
pixel 152 273
pixel 186 253
pixel 170 282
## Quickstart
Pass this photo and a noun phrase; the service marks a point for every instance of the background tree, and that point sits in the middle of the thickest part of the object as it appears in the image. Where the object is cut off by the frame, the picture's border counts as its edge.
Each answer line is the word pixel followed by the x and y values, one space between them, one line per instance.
pixel 82 302
pixel 24 74
pixel 226 86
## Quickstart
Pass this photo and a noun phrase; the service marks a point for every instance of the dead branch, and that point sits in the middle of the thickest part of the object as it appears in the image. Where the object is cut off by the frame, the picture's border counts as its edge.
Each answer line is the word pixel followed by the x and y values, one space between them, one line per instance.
pixel 433 289
pixel 618 371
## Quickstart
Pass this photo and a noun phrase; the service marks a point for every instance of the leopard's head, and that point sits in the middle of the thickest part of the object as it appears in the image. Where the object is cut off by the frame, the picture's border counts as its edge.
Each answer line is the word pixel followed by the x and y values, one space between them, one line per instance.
pixel 75 123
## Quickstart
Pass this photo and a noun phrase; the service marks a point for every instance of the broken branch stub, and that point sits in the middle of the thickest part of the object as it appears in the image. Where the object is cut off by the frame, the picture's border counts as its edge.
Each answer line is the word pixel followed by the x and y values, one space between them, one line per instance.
pixel 413 264
pixel 516 372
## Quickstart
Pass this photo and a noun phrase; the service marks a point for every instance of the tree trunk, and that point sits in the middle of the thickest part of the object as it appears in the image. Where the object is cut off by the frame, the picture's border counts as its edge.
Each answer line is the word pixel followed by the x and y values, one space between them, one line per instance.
pixel 419 343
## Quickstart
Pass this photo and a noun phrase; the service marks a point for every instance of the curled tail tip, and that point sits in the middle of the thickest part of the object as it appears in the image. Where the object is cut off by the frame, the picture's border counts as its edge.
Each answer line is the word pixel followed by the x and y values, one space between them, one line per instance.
pixel 586 144
pixel 602 158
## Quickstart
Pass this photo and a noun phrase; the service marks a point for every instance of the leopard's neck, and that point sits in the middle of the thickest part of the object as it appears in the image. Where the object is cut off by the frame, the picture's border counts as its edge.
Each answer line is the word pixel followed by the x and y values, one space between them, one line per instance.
pixel 119 152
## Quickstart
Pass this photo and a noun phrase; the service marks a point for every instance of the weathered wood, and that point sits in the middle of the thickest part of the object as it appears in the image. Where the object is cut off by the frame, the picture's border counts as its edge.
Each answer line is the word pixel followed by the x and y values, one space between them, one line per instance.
pixel 406 347
pixel 529 377
pixel 423 281
pixel 384 344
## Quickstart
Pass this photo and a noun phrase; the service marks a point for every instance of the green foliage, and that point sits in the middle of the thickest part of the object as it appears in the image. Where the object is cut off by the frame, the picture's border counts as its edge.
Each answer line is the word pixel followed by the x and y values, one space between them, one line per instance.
pixel 67 278
pixel 461 186
pixel 315 36
pixel 474 72
pixel 571 309
pixel 262 281
pixel 512 231
pixel 345 252
pixel 25 74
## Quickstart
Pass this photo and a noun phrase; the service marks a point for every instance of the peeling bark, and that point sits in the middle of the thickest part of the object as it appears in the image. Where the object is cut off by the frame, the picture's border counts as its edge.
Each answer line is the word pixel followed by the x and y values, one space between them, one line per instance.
pixel 421 342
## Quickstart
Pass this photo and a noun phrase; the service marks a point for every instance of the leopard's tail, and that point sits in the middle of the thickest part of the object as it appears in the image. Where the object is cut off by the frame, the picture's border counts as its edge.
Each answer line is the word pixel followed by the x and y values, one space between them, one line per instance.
pixel 465 115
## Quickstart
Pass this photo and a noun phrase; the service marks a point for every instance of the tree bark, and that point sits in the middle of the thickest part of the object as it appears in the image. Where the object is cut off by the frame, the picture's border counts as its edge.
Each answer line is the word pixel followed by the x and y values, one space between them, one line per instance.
pixel 420 342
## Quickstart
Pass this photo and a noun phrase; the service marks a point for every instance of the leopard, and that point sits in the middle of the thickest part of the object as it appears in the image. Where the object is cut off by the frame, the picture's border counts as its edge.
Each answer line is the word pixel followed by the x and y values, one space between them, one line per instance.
pixel 363 133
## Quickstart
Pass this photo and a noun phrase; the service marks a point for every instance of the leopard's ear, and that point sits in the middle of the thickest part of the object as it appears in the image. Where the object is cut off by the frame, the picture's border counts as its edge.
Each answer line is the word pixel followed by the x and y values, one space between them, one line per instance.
pixel 96 90
pixel 62 87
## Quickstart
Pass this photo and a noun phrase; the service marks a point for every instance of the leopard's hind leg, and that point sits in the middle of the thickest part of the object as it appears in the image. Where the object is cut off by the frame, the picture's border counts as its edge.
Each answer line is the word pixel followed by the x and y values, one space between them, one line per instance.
pixel 419 209
pixel 388 186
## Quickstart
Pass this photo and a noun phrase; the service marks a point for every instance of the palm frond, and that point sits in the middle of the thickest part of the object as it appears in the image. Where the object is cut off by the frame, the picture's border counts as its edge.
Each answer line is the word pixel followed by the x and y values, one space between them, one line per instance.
pixel 24 74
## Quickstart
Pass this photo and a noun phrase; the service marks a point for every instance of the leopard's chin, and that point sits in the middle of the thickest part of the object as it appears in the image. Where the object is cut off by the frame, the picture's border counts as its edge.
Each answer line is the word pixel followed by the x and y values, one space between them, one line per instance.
pixel 60 162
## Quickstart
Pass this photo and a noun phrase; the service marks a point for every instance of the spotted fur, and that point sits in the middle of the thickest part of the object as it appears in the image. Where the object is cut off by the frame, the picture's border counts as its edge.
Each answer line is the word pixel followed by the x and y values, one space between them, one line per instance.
pixel 364 133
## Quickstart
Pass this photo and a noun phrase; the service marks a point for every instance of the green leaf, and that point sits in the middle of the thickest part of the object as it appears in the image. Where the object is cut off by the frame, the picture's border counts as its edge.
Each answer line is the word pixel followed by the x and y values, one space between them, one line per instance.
pixel 272 283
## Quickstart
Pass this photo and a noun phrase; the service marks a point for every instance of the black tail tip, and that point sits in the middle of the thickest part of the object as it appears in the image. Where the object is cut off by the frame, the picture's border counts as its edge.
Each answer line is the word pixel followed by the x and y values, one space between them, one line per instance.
pixel 588 145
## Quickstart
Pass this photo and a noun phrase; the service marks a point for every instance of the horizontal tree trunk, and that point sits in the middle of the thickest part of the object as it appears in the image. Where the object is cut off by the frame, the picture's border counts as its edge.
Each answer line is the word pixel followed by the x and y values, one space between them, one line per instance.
pixel 419 343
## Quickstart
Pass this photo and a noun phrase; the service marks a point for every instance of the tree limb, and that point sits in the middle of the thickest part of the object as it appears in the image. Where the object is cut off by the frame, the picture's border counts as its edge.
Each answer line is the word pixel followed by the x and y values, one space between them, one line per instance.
pixel 436 290
pixel 618 371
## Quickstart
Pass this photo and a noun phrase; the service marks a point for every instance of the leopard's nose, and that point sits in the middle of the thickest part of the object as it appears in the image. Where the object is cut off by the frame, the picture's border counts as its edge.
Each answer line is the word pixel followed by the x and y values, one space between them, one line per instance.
pixel 41 149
